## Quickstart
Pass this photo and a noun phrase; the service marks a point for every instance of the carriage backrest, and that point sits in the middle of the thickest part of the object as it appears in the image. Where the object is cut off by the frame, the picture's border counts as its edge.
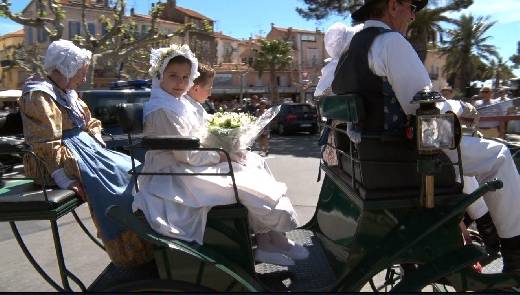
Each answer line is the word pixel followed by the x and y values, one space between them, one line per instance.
pixel 130 117
pixel 345 108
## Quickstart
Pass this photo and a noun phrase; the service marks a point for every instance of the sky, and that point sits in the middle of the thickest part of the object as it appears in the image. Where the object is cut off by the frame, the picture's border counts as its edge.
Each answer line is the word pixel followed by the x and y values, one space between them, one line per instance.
pixel 246 18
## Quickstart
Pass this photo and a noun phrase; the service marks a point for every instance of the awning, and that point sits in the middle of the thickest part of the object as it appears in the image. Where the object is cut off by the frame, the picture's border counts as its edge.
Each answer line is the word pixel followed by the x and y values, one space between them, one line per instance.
pixel 10 95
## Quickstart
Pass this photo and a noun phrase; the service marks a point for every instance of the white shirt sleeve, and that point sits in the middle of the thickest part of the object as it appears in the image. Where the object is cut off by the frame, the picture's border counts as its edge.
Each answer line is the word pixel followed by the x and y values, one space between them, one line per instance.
pixel 162 122
pixel 393 57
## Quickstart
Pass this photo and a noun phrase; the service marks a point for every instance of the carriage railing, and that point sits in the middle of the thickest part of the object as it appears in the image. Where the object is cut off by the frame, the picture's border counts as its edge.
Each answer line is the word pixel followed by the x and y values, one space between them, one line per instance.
pixel 41 180
pixel 350 108
pixel 178 143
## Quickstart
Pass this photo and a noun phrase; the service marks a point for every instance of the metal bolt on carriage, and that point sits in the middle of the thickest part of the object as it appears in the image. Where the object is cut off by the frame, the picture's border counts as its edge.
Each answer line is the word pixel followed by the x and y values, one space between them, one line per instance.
pixel 390 206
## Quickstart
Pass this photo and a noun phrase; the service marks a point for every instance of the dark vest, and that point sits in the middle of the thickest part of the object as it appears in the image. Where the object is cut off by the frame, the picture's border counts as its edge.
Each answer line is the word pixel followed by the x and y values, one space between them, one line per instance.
pixel 353 75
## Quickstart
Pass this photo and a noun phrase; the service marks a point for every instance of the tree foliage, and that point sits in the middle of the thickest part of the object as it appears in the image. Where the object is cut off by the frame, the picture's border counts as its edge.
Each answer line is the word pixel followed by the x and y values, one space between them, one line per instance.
pixel 421 32
pixel 466 47
pixel 515 59
pixel 120 40
pixel 273 56
pixel 427 24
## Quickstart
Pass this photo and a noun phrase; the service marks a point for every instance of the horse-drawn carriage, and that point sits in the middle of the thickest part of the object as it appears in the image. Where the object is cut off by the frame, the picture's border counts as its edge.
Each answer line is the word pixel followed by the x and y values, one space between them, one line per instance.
pixel 393 208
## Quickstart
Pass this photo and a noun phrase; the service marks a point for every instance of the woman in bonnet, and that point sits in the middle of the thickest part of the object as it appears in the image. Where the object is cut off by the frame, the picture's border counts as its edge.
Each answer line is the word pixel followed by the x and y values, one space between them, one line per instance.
pixel 59 127
pixel 177 206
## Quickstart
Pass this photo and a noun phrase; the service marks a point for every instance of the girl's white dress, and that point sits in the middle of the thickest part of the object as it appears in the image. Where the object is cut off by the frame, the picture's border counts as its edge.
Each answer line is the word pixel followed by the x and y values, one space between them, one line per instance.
pixel 177 206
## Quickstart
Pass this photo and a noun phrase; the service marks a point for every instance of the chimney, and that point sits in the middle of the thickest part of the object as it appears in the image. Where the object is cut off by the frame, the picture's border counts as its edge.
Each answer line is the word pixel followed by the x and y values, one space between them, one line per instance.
pixel 272 25
pixel 172 3
pixel 132 11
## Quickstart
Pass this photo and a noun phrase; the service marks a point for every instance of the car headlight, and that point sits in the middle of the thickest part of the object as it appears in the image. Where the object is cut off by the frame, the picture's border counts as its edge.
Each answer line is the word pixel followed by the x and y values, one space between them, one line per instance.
pixel 436 132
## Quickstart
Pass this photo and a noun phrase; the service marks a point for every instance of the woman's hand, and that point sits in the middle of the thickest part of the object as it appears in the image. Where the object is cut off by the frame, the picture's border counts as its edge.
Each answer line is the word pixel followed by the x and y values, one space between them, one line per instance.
pixel 79 190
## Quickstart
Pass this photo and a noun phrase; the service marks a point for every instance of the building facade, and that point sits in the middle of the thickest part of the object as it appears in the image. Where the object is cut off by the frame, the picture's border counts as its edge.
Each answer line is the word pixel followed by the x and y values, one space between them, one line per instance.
pixel 199 32
pixel 308 57
pixel 12 76
pixel 434 64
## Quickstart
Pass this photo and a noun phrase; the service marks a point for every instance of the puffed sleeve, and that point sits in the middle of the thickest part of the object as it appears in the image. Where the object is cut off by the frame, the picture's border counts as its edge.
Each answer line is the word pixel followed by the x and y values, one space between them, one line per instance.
pixel 163 122
pixel 42 127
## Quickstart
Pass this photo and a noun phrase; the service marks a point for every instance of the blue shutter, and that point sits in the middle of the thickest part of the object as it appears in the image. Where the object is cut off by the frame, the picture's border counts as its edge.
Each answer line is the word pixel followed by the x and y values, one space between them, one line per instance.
pixel 29 35
pixel 71 33
pixel 74 29
pixel 92 28
pixel 78 28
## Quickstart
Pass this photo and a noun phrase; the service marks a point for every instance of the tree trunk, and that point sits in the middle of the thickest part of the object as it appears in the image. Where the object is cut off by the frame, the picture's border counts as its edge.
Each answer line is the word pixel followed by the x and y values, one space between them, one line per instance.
pixel 91 70
pixel 274 86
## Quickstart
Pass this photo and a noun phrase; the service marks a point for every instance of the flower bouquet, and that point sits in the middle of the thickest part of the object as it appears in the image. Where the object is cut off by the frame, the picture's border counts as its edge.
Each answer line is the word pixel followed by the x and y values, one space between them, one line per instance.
pixel 235 132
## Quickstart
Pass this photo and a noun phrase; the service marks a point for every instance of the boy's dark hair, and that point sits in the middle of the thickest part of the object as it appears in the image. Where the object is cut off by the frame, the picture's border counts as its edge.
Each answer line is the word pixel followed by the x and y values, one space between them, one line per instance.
pixel 207 74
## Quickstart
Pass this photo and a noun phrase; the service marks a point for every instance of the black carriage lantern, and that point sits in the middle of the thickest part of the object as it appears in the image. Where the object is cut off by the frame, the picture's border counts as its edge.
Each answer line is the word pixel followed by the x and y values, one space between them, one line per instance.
pixel 435 132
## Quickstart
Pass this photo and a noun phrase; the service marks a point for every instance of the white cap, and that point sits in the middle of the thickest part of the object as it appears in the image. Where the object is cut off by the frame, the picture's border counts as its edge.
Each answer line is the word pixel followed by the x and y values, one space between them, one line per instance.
pixel 67 58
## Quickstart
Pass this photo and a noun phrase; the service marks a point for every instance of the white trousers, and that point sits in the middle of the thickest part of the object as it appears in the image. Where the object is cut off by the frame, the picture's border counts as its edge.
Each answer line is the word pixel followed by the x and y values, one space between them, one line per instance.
pixel 486 160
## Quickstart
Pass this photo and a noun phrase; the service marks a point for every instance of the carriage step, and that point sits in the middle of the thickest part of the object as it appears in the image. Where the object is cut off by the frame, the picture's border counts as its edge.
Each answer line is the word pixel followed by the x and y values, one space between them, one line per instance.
pixel 313 273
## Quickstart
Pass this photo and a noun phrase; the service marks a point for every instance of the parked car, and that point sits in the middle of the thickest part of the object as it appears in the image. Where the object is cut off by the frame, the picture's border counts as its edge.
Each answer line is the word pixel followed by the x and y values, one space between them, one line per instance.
pixel 296 117
pixel 102 104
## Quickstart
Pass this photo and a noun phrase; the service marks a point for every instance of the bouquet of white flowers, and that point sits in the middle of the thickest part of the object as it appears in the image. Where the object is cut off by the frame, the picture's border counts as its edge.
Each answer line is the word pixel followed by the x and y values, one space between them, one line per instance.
pixel 235 132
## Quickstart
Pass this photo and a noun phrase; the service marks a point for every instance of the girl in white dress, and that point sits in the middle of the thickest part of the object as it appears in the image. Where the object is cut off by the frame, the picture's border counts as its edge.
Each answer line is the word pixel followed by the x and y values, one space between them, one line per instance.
pixel 177 206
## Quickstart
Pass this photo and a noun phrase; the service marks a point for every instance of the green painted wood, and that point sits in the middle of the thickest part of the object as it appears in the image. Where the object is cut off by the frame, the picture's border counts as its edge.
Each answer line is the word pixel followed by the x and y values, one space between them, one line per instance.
pixel 346 108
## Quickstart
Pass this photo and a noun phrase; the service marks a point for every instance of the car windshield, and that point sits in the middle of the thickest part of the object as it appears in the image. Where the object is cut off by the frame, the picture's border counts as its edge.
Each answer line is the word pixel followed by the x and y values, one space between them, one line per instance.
pixel 103 104
pixel 300 108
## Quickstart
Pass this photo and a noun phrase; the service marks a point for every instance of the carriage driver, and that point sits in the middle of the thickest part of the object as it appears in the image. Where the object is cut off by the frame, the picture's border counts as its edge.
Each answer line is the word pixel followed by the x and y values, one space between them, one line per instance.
pixel 382 66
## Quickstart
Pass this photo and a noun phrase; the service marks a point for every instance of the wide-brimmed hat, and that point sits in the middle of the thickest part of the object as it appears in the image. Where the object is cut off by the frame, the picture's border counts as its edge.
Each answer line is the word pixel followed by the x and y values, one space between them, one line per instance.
pixel 362 13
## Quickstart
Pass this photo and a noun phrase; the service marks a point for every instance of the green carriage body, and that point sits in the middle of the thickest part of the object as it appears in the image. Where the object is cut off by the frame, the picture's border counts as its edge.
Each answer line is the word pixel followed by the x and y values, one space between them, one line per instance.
pixel 359 230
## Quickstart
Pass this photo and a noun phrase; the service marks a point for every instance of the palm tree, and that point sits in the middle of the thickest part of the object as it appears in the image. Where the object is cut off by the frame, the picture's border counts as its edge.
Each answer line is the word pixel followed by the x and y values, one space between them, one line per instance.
pixel 467 42
pixel 501 70
pixel 426 25
pixel 275 55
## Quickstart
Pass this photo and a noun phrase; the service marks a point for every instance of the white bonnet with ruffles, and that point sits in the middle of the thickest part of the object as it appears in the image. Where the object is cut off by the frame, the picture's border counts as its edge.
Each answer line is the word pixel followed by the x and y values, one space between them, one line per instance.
pixel 337 40
pixel 159 59
pixel 159 98
pixel 67 58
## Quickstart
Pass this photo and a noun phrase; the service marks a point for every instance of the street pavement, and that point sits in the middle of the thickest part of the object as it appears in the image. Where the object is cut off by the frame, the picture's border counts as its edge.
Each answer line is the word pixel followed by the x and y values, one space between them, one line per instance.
pixel 293 160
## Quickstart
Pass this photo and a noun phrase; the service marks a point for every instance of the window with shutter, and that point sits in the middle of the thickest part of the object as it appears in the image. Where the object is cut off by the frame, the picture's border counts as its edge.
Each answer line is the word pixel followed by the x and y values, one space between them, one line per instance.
pixel 92 28
pixel 74 29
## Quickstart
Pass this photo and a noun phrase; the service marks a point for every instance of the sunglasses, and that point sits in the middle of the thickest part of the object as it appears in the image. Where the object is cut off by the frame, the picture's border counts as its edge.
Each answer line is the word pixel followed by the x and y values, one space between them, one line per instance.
pixel 413 7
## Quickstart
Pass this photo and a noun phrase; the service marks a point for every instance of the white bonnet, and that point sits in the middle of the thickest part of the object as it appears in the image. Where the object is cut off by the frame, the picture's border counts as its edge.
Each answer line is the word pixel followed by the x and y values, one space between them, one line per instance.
pixel 159 59
pixel 338 37
pixel 337 40
pixel 66 57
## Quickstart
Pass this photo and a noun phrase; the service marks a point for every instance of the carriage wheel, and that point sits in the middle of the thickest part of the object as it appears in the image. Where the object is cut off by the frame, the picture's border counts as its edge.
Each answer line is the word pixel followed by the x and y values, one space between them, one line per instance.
pixel 387 279
pixel 159 286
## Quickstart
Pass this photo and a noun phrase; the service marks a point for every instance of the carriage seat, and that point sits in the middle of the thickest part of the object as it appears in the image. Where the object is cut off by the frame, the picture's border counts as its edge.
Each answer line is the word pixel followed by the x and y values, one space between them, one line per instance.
pixel 25 195
pixel 23 199
pixel 381 167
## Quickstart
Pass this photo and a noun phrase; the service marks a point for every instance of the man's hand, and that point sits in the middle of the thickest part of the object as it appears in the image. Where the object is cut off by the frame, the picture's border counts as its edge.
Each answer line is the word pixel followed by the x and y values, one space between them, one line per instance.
pixel 470 116
pixel 79 190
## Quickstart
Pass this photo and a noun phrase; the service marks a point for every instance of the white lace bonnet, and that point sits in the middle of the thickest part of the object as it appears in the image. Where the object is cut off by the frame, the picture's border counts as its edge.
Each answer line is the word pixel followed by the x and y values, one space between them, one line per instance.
pixel 160 57
pixel 67 58
pixel 337 40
